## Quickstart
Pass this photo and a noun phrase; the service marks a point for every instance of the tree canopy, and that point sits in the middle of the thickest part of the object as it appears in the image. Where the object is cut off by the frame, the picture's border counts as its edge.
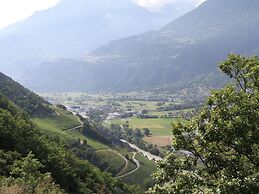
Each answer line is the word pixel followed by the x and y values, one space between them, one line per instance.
pixel 218 150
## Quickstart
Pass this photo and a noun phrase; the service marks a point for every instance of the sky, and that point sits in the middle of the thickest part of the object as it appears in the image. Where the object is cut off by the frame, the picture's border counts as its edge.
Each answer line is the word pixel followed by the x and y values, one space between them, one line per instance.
pixel 156 4
pixel 12 11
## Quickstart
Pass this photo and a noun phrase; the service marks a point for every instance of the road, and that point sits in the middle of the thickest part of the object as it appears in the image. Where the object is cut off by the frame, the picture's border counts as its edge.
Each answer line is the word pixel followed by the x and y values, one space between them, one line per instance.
pixel 145 153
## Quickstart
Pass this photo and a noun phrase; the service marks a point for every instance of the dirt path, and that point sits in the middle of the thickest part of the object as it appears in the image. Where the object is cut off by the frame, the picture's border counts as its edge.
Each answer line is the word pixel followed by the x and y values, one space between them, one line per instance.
pixel 128 173
pixel 119 175
pixel 126 164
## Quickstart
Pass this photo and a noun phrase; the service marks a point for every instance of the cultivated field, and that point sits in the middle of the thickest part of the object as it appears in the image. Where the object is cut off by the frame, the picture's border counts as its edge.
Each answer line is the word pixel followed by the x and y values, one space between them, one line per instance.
pixel 157 126
pixel 160 141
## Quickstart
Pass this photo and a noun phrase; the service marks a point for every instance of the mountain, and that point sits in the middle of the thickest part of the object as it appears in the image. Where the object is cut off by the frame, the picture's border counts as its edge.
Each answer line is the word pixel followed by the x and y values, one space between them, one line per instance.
pixel 24 98
pixel 73 28
pixel 189 46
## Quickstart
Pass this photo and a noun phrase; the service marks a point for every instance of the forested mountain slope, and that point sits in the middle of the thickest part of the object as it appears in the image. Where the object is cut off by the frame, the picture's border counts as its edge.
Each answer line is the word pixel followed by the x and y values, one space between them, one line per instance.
pixel 190 46
pixel 73 28
pixel 23 98
pixel 34 163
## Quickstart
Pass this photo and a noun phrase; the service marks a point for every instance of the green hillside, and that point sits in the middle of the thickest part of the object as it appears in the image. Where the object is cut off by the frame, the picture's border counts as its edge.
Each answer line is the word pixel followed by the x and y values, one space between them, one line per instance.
pixel 27 155
pixel 23 98
pixel 48 152
pixel 62 120
pixel 143 174
pixel 115 160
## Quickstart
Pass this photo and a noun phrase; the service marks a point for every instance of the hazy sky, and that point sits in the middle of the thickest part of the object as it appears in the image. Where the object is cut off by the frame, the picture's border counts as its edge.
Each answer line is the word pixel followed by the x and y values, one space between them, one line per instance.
pixel 156 4
pixel 14 10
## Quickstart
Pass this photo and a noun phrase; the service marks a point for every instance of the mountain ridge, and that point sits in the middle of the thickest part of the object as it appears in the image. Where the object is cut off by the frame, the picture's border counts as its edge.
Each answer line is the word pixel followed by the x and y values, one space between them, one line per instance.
pixel 72 29
pixel 190 46
pixel 24 98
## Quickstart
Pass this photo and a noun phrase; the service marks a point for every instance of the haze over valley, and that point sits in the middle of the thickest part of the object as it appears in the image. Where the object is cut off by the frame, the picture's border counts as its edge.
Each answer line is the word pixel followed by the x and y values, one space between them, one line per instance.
pixel 184 49
pixel 71 29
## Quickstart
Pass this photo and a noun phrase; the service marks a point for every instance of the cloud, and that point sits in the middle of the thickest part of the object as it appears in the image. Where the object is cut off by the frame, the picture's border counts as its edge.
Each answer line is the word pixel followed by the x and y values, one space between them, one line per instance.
pixel 157 4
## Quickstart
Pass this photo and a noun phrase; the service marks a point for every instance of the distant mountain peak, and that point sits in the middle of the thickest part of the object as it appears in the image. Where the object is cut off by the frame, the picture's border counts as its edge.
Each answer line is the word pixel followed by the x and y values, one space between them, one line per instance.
pixel 73 28
pixel 189 46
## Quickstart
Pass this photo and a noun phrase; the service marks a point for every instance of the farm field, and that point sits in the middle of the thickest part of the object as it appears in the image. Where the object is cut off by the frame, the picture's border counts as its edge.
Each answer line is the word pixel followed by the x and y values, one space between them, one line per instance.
pixel 157 126
pixel 160 141
pixel 100 105
pixel 138 105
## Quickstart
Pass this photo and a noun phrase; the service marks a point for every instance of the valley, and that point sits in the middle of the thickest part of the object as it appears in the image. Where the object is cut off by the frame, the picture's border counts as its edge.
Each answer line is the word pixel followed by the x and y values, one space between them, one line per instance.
pixel 118 160
pixel 139 110
pixel 130 97
pixel 146 117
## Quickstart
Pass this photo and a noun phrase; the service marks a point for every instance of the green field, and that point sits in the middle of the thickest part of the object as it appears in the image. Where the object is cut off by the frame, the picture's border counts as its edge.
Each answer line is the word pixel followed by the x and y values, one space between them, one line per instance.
pixel 61 121
pixel 157 126
pixel 91 142
pixel 138 105
pixel 115 161
pixel 56 125
pixel 61 125
pixel 144 172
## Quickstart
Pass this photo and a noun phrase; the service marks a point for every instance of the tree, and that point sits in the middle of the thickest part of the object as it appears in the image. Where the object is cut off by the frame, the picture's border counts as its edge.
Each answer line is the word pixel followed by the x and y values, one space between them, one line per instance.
pixel 27 178
pixel 144 111
pixel 61 106
pixel 146 131
pixel 137 132
pixel 221 142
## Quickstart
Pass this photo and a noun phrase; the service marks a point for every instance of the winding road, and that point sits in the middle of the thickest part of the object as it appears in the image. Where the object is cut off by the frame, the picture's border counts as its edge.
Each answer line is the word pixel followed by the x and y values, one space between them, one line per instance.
pixel 145 153
pixel 120 175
